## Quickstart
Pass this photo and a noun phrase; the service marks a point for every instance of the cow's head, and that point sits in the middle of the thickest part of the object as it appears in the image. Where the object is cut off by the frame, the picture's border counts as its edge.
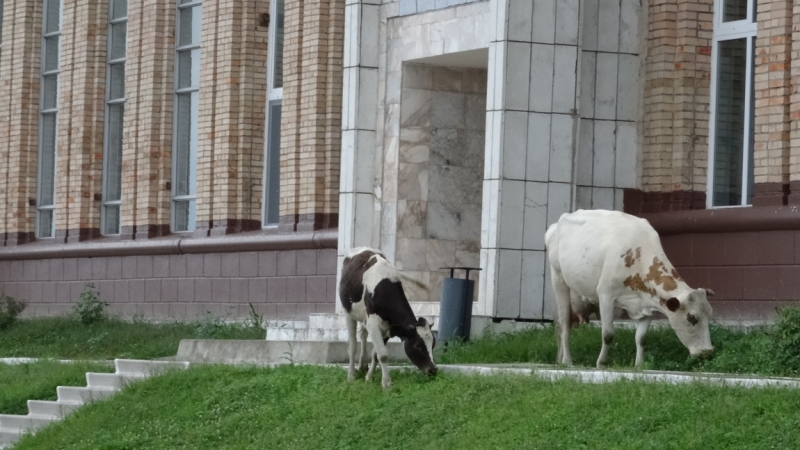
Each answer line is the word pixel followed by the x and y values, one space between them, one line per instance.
pixel 689 315
pixel 418 342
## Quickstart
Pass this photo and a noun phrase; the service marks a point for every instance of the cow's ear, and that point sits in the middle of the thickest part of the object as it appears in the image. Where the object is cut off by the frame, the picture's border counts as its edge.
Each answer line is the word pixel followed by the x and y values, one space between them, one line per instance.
pixel 673 304
pixel 401 331
pixel 709 292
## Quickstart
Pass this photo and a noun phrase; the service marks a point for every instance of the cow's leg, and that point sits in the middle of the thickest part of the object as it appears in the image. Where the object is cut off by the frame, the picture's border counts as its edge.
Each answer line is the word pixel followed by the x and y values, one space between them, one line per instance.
pixel 564 317
pixel 376 336
pixel 362 360
pixel 373 363
pixel 351 336
pixel 607 323
pixel 641 331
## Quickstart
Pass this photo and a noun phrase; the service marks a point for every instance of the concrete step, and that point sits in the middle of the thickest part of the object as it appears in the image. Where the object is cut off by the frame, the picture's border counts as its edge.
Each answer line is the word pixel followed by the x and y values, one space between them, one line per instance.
pixel 9 437
pixel 25 423
pixel 287 324
pixel 48 408
pixel 110 380
pixel 82 394
pixel 140 368
pixel 327 321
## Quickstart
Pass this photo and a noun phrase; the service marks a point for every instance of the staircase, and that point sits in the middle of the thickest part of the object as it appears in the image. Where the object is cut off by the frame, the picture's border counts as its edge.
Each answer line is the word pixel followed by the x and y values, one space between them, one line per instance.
pixel 98 387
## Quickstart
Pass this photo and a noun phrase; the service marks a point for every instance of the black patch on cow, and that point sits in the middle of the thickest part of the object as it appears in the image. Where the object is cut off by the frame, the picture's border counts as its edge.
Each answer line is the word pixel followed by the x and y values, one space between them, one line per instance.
pixel 388 301
pixel 351 287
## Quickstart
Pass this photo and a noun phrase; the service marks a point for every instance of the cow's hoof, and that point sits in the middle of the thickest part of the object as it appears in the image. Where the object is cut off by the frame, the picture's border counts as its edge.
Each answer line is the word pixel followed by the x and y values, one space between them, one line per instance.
pixel 386 385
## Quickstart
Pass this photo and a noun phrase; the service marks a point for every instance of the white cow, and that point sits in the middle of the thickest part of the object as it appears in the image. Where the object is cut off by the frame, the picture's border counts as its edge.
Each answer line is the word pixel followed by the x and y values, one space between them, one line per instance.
pixel 615 260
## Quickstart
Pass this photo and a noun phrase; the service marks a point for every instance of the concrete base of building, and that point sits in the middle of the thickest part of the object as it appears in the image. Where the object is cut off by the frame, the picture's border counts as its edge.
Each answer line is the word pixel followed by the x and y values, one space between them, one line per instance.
pixel 273 352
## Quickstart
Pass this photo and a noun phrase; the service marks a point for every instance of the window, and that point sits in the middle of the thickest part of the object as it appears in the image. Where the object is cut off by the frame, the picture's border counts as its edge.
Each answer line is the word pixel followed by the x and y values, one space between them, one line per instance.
pixel 48 111
pixel 730 180
pixel 272 172
pixel 115 108
pixel 187 96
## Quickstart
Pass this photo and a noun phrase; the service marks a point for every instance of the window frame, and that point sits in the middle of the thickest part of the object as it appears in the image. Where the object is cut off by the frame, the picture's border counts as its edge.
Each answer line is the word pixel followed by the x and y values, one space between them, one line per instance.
pixel 43 73
pixel 194 119
pixel 108 102
pixel 274 96
pixel 727 31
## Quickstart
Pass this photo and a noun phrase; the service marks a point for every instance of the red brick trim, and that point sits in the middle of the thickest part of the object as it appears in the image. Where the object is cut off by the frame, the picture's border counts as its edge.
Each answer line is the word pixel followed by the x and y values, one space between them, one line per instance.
pixel 770 194
pixel 637 202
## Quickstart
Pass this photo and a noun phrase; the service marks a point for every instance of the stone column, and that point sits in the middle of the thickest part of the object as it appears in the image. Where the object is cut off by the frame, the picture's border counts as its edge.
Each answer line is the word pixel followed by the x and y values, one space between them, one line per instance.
pixel 531 139
pixel 147 137
pixel 359 127
pixel 81 112
pixel 20 60
pixel 772 97
pixel 233 96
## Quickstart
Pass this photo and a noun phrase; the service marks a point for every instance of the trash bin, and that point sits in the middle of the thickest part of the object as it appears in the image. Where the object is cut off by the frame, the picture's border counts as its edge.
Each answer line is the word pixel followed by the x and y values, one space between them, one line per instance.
pixel 455 306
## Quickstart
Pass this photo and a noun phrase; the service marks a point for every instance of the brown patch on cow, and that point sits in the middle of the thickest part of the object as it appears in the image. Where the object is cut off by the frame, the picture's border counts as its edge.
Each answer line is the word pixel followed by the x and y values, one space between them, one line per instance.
pixel 658 274
pixel 629 258
pixel 638 252
pixel 675 275
pixel 636 283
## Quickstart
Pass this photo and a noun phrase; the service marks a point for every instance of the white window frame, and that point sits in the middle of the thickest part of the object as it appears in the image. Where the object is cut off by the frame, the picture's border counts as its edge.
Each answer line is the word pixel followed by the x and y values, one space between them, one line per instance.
pixel 192 220
pixel 43 112
pixel 726 31
pixel 274 95
pixel 109 101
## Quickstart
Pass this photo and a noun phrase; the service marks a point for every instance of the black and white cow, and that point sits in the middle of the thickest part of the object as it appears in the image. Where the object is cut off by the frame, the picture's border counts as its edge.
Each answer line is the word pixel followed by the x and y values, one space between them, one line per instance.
pixel 371 291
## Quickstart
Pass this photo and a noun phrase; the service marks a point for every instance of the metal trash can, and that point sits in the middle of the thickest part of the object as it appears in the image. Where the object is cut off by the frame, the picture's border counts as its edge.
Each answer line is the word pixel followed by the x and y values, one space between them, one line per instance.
pixel 455 306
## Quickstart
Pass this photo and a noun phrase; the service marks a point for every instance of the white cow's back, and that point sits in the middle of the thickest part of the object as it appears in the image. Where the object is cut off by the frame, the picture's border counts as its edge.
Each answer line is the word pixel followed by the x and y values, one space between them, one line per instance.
pixel 588 248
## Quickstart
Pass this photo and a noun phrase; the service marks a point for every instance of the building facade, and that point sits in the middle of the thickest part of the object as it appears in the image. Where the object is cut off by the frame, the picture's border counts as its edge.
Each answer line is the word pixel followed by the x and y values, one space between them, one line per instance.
pixel 200 156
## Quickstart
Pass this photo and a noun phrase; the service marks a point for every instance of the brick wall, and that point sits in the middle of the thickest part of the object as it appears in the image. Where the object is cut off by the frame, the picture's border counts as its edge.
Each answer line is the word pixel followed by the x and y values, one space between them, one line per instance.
pixel 19 117
pixel 279 284
pixel 772 98
pixel 81 111
pixel 232 92
pixel 311 116
pixel 676 104
pixel 233 95
pixel 147 135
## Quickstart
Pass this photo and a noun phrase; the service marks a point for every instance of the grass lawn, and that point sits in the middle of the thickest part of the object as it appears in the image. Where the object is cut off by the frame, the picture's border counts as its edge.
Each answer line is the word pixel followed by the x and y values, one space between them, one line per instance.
pixel 60 337
pixel 736 352
pixel 302 407
pixel 38 381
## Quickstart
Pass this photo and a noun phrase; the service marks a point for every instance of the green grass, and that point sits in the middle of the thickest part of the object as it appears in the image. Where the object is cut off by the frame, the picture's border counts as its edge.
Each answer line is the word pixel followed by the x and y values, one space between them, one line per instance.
pixel 67 338
pixel 303 407
pixel 38 381
pixel 735 352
